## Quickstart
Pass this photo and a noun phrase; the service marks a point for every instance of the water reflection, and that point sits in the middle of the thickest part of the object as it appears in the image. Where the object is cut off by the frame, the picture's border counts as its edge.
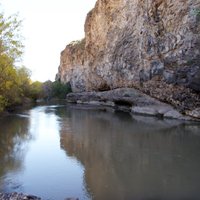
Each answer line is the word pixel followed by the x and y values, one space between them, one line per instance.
pixel 127 158
pixel 13 138
pixel 32 161
pixel 57 152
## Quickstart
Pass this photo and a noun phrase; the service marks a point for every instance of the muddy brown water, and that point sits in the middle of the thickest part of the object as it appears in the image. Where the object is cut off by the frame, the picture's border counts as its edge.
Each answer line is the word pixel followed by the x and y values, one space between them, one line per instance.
pixel 57 152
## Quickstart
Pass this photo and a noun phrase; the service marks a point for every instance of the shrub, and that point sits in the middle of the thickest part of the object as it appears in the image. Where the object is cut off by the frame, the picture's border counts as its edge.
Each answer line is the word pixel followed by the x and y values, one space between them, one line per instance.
pixel 59 90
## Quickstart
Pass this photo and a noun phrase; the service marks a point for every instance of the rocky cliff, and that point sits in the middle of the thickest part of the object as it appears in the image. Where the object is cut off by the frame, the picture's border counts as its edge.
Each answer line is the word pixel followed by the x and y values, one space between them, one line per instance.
pixel 151 45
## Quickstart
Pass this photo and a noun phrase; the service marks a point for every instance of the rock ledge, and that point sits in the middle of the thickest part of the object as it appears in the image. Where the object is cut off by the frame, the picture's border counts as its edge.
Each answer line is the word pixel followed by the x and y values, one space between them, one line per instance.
pixel 134 101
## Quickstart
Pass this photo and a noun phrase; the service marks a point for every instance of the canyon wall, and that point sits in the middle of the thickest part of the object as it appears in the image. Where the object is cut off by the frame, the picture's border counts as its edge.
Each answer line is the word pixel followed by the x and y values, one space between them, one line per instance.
pixel 151 45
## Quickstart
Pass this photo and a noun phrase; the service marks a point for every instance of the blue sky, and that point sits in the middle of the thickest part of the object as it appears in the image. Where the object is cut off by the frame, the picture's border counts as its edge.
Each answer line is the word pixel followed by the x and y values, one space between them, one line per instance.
pixel 48 26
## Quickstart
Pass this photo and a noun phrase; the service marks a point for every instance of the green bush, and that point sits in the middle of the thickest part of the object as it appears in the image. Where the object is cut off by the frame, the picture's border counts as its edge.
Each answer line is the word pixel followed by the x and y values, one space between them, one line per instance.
pixel 59 90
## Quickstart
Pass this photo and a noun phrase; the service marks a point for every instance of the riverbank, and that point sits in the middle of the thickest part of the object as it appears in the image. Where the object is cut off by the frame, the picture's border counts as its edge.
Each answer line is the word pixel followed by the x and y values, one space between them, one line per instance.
pixel 17 196
pixel 134 101
pixel 20 196
pixel 31 104
pixel 25 104
pixel 15 109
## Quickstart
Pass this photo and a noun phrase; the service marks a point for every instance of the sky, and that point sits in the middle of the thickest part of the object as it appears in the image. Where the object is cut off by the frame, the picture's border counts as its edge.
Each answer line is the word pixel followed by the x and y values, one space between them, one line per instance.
pixel 48 26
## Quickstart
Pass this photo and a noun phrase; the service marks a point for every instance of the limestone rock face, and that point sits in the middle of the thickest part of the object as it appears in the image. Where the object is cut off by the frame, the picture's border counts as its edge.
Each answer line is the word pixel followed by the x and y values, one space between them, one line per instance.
pixel 146 44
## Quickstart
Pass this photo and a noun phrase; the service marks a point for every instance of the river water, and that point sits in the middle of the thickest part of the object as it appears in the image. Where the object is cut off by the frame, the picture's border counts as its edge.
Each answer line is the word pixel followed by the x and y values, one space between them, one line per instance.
pixel 57 152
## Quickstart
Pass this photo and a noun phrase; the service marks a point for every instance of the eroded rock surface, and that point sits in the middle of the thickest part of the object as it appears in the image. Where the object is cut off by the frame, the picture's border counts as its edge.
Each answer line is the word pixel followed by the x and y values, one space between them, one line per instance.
pixel 131 100
pixel 151 45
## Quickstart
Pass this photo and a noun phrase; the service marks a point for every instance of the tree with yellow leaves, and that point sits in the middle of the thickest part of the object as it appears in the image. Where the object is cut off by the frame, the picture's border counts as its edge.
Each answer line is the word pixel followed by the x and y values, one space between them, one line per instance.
pixel 11 49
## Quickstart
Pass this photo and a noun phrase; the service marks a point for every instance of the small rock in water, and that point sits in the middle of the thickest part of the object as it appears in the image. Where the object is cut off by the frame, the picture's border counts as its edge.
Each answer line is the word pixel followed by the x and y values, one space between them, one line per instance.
pixel 72 198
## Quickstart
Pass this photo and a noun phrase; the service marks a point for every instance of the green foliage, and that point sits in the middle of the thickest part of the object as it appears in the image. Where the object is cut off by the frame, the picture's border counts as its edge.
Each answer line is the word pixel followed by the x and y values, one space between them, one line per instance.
pixel 60 90
pixel 9 81
pixel 53 90
pixel 15 83
pixel 198 13
pixel 24 80
pixel 36 90
pixel 11 50
pixel 48 90
pixel 10 38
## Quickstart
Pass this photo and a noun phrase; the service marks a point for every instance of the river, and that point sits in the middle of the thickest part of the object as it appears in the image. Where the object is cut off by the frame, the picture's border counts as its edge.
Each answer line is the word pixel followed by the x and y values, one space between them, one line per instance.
pixel 59 151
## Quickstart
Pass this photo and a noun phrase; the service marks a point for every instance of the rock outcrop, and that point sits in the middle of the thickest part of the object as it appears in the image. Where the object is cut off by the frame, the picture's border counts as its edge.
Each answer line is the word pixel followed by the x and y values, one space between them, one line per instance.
pixel 151 45
pixel 130 100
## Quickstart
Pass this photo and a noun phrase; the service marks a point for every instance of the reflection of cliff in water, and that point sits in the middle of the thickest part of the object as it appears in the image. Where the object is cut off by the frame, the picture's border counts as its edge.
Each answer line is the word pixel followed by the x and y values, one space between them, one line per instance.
pixel 13 135
pixel 129 159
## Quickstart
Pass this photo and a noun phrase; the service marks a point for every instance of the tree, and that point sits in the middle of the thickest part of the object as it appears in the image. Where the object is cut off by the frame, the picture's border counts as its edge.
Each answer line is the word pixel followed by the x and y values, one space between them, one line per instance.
pixel 47 90
pixel 24 81
pixel 11 49
pixel 36 90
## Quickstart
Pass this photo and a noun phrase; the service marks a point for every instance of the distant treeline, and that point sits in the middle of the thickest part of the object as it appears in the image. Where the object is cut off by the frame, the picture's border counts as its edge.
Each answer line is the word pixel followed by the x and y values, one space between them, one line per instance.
pixel 49 90
pixel 16 86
